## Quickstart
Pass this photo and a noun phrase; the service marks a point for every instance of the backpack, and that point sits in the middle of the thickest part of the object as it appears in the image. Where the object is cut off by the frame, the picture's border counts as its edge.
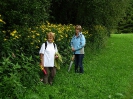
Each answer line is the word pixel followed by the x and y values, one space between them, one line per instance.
pixel 46 45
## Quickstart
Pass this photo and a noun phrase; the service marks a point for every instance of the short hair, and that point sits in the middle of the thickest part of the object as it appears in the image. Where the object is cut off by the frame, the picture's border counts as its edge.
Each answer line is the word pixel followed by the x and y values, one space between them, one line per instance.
pixel 78 27
pixel 51 35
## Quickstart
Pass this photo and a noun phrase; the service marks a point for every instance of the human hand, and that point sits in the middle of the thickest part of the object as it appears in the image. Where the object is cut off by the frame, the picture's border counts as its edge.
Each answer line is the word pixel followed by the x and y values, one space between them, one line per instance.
pixel 56 56
pixel 73 49
pixel 41 64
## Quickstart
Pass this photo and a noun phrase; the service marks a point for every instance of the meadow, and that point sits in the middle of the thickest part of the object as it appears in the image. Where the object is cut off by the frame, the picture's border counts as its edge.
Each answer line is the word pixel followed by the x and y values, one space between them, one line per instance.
pixel 108 75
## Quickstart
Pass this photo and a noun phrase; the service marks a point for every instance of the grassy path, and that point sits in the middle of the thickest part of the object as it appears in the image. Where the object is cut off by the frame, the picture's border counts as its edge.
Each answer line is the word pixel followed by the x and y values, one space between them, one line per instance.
pixel 108 74
pixel 111 71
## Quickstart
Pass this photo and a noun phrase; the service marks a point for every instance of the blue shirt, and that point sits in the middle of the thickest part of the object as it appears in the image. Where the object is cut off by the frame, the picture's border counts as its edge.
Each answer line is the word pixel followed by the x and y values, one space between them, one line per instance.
pixel 78 43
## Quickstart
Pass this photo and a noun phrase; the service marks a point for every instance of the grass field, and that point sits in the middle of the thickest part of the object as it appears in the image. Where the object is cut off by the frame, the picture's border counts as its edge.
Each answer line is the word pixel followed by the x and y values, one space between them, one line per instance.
pixel 108 75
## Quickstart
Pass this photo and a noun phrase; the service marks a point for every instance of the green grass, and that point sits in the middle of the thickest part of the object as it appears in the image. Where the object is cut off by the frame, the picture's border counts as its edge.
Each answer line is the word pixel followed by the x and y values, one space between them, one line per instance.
pixel 108 75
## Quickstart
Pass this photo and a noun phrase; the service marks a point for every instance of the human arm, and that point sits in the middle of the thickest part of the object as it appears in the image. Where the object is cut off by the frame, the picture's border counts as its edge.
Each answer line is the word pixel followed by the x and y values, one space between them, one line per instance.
pixel 42 59
pixel 42 63
pixel 71 42
pixel 41 52
pixel 72 45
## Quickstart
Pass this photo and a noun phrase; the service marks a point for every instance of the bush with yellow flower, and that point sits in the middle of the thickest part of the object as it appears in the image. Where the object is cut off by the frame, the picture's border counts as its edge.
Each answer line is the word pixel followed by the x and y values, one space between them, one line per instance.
pixel 29 40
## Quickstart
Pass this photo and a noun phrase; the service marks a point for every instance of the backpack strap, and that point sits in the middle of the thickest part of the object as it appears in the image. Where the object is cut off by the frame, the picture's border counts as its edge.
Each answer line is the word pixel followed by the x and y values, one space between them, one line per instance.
pixel 46 45
pixel 54 45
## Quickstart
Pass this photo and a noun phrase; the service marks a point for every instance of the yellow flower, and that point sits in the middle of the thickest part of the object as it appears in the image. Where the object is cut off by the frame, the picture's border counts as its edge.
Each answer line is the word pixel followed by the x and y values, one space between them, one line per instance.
pixel 37 34
pixel 5 39
pixel 16 37
pixel 33 36
pixel 13 33
pixel 4 31
pixel 33 31
pixel 32 43
pixel 37 46
pixel 2 21
pixel 45 39
pixel 61 36
pixel 59 40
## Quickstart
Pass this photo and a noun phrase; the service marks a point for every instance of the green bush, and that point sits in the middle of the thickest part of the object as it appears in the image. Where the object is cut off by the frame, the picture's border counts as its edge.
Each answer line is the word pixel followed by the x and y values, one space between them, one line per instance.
pixel 29 41
pixel 24 12
pixel 2 35
pixel 98 37
pixel 18 73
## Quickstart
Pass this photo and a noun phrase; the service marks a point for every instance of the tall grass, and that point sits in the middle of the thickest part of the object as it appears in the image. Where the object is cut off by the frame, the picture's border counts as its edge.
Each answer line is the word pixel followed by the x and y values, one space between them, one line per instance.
pixel 108 75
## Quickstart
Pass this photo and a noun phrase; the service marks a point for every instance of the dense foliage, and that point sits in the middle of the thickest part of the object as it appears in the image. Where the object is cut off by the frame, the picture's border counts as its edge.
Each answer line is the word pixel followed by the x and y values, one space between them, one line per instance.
pixel 20 57
pixel 89 12
pixel 126 23
pixel 19 65
pixel 23 13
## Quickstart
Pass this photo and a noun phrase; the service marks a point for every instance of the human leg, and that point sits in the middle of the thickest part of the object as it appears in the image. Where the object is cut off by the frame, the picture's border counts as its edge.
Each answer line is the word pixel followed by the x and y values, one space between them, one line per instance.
pixel 81 56
pixel 76 62
pixel 52 74
pixel 45 79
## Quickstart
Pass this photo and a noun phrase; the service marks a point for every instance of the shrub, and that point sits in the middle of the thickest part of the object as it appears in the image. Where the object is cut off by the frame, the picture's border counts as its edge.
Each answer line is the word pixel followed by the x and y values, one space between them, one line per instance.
pixel 98 37
pixel 28 41
pixel 17 74
pixel 2 35
pixel 20 57
pixel 25 12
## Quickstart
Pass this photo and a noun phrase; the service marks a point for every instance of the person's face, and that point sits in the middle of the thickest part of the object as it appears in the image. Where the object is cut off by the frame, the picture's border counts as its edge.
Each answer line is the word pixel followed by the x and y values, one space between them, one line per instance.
pixel 77 31
pixel 50 39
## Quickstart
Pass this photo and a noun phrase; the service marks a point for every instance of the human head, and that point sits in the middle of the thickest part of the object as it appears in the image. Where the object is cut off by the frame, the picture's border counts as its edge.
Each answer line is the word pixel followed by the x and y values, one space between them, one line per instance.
pixel 78 27
pixel 50 37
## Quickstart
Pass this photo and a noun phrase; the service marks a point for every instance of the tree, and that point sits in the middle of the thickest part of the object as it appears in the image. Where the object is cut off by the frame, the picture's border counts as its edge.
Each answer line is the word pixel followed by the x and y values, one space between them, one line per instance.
pixel 89 12
pixel 24 12
pixel 63 11
pixel 126 23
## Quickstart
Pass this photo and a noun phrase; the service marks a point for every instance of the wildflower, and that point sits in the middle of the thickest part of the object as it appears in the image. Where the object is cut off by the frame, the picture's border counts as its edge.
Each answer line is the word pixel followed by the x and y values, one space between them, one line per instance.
pixel 5 39
pixel 37 34
pixel 37 46
pixel 33 36
pixel 13 33
pixel 2 21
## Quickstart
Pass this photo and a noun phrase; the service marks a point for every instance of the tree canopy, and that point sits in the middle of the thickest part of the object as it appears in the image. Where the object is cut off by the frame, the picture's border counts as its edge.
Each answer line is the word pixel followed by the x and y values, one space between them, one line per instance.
pixel 125 25
pixel 89 12
pixel 24 12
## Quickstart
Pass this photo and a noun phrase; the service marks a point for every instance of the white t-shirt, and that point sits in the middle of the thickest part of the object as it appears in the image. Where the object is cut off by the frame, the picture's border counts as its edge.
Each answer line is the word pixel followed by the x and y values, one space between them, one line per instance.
pixel 49 54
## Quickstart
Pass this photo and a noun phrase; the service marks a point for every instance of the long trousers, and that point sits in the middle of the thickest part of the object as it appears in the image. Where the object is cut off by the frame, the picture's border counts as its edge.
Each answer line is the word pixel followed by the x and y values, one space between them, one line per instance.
pixel 79 63
pixel 51 71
